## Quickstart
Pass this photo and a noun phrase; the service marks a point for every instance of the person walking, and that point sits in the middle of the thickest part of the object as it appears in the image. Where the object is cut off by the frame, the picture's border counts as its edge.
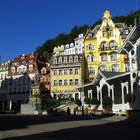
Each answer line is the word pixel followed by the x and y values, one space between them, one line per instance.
pixel 68 111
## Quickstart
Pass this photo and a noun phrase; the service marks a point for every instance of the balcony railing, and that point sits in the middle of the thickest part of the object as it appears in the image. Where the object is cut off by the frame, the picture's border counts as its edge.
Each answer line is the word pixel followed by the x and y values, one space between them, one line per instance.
pixel 108 48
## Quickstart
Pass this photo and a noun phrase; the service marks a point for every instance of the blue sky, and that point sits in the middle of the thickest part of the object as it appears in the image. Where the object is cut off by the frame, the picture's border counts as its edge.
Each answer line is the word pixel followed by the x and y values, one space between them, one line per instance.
pixel 26 24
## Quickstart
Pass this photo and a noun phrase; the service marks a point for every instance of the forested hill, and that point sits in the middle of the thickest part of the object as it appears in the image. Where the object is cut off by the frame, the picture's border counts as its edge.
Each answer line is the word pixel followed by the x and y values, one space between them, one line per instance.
pixel 68 38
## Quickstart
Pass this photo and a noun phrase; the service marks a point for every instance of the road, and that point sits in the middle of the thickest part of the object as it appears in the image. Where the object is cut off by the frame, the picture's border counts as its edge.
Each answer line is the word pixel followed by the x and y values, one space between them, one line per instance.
pixel 19 127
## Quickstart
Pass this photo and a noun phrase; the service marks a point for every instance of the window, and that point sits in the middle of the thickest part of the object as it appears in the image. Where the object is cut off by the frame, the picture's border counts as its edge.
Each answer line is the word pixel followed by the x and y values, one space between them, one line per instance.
pixel 113 56
pixel 76 81
pixel 65 82
pixel 71 71
pixel 92 58
pixel 60 60
pixel 70 59
pixel 103 45
pixel 54 72
pixel 104 33
pixel 24 70
pixel 90 47
pixel 115 68
pixel 76 59
pixel 104 57
pixel 112 44
pixel 60 72
pixel 127 67
pixel 127 32
pixel 13 70
pixel 60 82
pixel 88 58
pixel 65 71
pixel 91 70
pixel 111 33
pixel 65 60
pixel 55 82
pixel 55 61
pixel 71 82
pixel 103 68
pixel 30 68
pixel 76 71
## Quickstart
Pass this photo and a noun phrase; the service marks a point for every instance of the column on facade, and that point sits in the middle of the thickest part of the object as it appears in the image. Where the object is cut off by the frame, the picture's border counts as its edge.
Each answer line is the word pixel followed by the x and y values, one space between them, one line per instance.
pixel 112 89
pixel 97 93
pixel 122 87
pixel 90 93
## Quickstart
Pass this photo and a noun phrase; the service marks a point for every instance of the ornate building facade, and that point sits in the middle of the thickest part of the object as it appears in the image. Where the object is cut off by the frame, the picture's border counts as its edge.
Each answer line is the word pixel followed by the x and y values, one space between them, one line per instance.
pixel 101 47
pixel 66 75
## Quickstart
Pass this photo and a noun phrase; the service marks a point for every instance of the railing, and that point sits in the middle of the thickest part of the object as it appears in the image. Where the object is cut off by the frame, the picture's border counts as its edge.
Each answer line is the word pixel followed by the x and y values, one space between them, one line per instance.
pixel 107 48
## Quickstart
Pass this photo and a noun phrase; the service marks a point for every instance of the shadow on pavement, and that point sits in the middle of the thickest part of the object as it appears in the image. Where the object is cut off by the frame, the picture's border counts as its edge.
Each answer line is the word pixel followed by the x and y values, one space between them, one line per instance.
pixel 117 130
pixel 9 122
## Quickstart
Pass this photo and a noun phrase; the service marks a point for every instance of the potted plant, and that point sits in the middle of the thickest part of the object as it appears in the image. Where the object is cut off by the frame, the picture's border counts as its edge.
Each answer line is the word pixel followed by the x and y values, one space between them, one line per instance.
pixel 128 99
pixel 94 102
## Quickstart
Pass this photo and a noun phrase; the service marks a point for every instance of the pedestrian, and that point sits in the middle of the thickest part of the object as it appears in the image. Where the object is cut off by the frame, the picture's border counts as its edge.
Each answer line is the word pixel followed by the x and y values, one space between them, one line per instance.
pixel 74 111
pixel 68 111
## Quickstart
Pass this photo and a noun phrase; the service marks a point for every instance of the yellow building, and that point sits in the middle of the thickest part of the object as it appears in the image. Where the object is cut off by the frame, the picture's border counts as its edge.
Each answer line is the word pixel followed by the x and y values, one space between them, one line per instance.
pixel 101 47
pixel 66 74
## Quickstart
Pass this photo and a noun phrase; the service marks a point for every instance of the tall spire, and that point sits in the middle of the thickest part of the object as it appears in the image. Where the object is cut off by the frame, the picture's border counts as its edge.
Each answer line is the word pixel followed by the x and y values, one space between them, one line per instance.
pixel 107 14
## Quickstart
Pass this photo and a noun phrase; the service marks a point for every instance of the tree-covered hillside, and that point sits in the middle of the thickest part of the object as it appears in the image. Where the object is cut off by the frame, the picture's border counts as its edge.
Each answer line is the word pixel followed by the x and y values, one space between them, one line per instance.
pixel 68 38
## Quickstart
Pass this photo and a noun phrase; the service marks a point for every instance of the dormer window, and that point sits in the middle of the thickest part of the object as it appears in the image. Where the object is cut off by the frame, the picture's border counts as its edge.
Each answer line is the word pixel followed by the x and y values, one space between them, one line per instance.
pixel 13 70
pixel 104 33
pixel 126 32
pixel 30 61
pixel 24 62
pixel 31 56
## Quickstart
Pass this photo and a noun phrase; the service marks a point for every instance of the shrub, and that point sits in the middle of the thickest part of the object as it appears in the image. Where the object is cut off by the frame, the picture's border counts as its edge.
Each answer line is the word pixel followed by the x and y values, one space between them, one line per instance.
pixel 94 101
pixel 87 100
pixel 107 102
pixel 128 98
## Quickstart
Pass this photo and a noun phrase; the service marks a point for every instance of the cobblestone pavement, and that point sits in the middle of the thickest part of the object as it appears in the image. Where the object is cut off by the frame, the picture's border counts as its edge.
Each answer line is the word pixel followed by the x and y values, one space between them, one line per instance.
pixel 64 128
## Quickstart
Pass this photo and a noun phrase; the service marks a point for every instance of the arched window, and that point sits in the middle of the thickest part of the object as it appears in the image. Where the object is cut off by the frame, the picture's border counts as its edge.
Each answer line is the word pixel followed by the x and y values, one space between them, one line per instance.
pixel 90 47
pixel 65 71
pixel 55 60
pixel 103 45
pixel 112 44
pixel 70 59
pixel 65 60
pixel 76 59
pixel 60 60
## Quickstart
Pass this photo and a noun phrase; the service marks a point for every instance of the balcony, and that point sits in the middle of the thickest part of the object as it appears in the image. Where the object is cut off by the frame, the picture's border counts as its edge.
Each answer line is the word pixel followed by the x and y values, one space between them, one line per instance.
pixel 108 48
